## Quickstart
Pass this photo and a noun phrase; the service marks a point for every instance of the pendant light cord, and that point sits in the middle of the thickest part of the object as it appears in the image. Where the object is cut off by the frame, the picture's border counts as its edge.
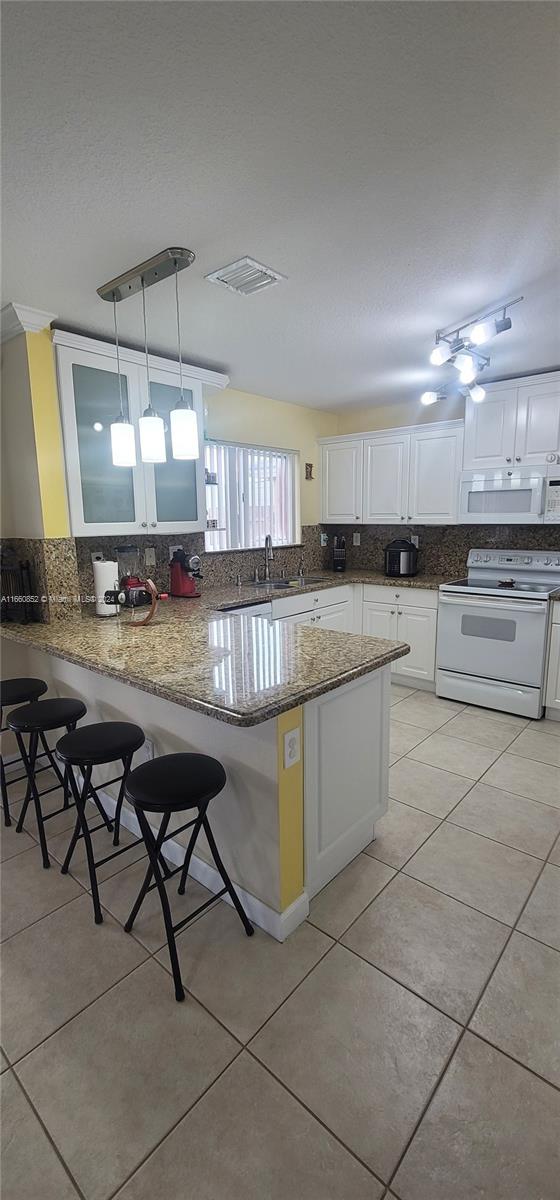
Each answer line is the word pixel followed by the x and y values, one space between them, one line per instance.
pixel 118 355
pixel 178 329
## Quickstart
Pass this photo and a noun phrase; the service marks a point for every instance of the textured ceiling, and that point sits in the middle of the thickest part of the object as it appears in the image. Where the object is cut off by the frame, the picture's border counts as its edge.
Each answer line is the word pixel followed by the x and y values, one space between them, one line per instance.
pixel 396 161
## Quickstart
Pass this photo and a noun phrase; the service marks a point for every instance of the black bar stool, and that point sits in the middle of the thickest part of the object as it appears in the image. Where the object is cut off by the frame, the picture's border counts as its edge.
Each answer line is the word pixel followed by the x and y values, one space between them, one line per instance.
pixel 13 692
pixel 37 719
pixel 88 747
pixel 171 784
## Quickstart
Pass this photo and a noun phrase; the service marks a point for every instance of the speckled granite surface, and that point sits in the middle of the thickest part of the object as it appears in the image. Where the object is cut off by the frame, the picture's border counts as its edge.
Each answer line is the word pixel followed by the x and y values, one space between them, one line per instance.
pixel 235 667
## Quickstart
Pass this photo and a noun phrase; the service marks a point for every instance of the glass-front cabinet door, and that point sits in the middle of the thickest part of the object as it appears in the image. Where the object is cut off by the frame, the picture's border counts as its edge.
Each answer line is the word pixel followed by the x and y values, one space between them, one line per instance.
pixel 175 493
pixel 164 498
pixel 103 498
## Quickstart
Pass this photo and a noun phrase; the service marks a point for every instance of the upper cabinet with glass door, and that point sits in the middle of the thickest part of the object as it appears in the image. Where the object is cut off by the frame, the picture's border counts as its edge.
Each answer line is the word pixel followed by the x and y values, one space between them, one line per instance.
pixel 164 497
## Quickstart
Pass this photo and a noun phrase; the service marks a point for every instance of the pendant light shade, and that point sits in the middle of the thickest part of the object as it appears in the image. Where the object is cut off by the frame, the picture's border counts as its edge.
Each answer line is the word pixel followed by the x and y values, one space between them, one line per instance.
pixel 123 444
pixel 184 432
pixel 152 437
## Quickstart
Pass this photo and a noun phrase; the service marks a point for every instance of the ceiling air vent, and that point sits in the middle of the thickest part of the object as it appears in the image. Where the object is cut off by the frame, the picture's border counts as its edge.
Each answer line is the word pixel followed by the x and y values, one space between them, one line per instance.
pixel 245 276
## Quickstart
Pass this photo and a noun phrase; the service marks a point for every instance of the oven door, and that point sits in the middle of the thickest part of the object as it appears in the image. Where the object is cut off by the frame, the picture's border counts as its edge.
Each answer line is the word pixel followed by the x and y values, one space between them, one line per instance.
pixel 492 638
pixel 494 497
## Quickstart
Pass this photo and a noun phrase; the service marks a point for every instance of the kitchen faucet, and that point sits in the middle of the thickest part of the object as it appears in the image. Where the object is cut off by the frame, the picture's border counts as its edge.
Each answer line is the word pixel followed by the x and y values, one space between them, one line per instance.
pixel 268 556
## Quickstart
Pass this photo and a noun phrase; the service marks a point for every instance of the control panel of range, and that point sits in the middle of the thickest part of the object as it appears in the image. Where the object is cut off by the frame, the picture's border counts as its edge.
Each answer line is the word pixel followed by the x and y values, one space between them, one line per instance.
pixel 525 560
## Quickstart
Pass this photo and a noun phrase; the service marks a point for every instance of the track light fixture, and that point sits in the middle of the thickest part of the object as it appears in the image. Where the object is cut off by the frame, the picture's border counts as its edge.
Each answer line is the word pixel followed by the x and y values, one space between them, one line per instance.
pixel 431 397
pixel 458 344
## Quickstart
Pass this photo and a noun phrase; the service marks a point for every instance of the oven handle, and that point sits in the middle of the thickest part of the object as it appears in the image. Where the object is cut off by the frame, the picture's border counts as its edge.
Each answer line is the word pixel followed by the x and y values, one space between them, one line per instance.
pixel 497 605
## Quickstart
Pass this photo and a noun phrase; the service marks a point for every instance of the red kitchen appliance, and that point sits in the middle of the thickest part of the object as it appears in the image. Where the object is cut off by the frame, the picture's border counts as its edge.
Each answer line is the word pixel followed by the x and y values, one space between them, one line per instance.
pixel 183 575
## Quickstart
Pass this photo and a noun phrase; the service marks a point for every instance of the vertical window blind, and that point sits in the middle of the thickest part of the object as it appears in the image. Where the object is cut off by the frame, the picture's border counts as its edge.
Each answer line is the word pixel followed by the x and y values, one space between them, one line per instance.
pixel 255 494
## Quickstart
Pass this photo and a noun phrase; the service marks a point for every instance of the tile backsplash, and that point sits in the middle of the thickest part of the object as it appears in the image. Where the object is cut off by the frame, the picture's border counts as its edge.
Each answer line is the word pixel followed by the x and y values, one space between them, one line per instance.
pixel 442 549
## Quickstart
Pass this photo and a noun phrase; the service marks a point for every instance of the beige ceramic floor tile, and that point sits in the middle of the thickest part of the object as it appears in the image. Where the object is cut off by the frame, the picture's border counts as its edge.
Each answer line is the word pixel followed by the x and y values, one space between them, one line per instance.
pixel 248 1139
pixel 342 900
pixel 481 729
pixel 361 1052
pixel 120 891
pixel 399 833
pixel 431 943
pixel 404 737
pixel 490 1131
pixel 70 962
pixel 30 1165
pixel 550 727
pixel 520 1009
pixel 49 804
pixel 428 788
pixel 493 715
pixel 242 980
pixel 554 856
pixel 121 1074
pixel 531 743
pixel 3 1062
pixel 514 820
pixel 400 693
pixel 29 892
pixel 525 777
pixel 492 878
pixel 12 843
pixel 426 710
pixel 453 754
pixel 102 846
pixel 541 917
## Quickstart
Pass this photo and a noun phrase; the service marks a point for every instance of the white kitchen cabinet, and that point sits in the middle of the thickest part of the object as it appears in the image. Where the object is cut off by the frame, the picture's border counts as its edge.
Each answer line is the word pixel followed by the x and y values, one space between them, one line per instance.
pixel 435 465
pixel 379 620
pixel 552 698
pixel 538 422
pixel 335 616
pixel 148 498
pixel 418 627
pixel 341 481
pixel 517 423
pixel 386 467
pixel 298 618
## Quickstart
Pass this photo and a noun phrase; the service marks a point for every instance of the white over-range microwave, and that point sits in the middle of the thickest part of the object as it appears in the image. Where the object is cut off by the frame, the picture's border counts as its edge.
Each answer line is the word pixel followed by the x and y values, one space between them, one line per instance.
pixel 498 497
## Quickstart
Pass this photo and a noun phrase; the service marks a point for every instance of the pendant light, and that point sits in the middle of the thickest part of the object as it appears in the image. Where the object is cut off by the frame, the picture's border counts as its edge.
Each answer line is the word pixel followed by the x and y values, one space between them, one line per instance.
pixel 123 444
pixel 184 425
pixel 152 428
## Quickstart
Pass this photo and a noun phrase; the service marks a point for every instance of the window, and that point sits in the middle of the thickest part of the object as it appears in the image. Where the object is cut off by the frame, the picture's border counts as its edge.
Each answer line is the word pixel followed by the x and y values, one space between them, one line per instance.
pixel 252 492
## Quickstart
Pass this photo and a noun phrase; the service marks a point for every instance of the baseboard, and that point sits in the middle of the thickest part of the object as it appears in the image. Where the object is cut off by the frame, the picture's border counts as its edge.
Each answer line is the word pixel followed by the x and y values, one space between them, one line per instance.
pixel 278 925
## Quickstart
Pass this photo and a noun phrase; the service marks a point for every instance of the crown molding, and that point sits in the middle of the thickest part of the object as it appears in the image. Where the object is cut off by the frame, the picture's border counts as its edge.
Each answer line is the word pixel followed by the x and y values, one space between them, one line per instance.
pixel 78 341
pixel 19 318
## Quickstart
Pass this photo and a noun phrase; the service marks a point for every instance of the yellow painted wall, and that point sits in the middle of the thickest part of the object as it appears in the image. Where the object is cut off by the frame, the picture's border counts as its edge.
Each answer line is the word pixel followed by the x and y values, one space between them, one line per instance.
pixel 48 434
pixel 240 416
pixel 21 497
pixel 408 412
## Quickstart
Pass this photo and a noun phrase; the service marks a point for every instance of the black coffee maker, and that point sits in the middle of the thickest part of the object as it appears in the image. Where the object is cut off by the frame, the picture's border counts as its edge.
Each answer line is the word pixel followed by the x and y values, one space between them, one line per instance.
pixel 401 558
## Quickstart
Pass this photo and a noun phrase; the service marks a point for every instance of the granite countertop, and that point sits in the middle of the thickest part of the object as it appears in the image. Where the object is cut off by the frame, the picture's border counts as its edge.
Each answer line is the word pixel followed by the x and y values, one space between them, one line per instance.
pixel 236 667
pixel 232 596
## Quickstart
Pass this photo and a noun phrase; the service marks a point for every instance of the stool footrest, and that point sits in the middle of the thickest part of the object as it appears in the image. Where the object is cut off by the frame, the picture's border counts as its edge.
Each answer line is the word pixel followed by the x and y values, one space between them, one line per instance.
pixel 196 912
pixel 99 862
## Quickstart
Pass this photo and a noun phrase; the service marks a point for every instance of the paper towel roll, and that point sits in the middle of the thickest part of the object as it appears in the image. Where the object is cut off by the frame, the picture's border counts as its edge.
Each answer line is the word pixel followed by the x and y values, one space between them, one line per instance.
pixel 105 578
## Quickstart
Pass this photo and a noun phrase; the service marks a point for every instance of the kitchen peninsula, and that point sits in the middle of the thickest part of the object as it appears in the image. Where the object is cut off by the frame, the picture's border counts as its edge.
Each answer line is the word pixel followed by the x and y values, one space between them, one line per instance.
pixel 299 717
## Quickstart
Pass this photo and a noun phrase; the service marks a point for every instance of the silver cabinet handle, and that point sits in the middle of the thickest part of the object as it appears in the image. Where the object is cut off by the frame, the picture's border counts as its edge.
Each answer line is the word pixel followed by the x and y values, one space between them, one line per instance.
pixel 518 458
pixel 153 524
pixel 144 524
pixel 399 613
pixel 409 518
pixel 402 518
pixel 393 612
pixel 508 459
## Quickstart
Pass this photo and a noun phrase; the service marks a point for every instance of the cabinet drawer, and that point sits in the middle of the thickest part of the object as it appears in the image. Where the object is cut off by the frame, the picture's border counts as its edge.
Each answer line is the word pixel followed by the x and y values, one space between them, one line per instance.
pixel 286 606
pixel 418 597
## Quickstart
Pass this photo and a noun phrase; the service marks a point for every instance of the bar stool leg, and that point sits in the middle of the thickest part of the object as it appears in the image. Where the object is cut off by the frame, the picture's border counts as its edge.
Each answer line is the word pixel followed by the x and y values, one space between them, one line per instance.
pixel 32 791
pixel 80 802
pixel 227 881
pixel 151 846
pixel 4 786
pixel 117 819
pixel 148 876
pixel 196 830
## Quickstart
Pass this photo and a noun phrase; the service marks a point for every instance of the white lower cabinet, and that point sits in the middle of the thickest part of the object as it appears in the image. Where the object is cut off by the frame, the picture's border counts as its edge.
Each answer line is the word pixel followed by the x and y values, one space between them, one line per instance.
pixel 336 616
pixel 552 699
pixel 415 623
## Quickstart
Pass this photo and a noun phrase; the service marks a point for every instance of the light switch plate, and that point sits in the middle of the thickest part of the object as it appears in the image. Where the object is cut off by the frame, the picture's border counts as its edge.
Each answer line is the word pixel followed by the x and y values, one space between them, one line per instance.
pixel 292 748
pixel 324 539
pixel 356 538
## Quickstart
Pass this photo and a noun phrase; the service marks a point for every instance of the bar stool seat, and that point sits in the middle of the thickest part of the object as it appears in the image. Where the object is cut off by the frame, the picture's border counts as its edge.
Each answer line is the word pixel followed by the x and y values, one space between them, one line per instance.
pixel 36 719
pixel 167 785
pixel 20 690
pixel 104 742
pixel 86 748
pixel 44 715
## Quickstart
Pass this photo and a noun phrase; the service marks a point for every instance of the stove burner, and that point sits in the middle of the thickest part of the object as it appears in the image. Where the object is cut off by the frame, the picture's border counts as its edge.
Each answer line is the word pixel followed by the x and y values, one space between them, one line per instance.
pixel 506 583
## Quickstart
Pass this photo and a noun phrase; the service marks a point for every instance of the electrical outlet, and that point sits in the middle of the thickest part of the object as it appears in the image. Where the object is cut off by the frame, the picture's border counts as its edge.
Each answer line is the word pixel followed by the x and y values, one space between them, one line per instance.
pixel 176 546
pixel 324 539
pixel 356 538
pixel 414 539
pixel 150 556
pixel 97 556
pixel 292 748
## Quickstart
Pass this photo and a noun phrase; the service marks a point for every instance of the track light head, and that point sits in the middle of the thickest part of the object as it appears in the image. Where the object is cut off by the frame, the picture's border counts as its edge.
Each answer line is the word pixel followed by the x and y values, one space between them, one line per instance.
pixel 441 353
pixel 503 325
pixel 482 332
pixel 431 397
pixel 476 393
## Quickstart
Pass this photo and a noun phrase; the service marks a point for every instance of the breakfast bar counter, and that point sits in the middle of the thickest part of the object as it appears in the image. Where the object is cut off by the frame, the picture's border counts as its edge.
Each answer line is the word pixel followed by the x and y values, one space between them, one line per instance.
pixel 298 716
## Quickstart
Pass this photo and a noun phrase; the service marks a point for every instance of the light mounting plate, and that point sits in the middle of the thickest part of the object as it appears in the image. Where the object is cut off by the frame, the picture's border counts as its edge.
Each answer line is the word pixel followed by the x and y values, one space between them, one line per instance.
pixel 153 270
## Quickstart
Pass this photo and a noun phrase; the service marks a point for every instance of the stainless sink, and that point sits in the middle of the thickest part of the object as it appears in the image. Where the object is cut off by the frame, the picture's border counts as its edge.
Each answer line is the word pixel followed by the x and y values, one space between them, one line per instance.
pixel 281 584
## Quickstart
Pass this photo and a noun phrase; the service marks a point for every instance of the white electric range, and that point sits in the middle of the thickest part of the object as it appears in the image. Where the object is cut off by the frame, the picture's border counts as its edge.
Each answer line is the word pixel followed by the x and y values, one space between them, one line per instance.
pixel 493 630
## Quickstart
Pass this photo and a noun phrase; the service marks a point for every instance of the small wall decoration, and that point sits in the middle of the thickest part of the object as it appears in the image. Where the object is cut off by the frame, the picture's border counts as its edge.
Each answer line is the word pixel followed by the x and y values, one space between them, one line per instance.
pixel 309 470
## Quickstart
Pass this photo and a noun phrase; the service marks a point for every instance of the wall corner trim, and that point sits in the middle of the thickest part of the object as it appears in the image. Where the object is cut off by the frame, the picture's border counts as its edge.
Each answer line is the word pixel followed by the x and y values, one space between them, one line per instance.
pixel 20 318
